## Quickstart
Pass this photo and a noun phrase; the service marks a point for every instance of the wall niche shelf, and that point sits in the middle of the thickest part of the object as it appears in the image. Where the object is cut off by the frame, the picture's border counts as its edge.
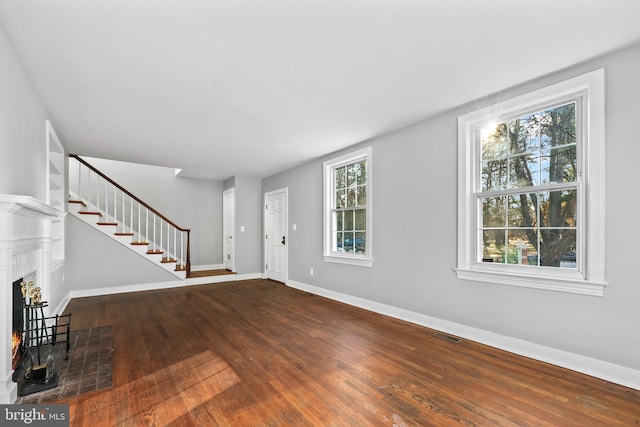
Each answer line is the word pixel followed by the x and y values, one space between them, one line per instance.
pixel 56 184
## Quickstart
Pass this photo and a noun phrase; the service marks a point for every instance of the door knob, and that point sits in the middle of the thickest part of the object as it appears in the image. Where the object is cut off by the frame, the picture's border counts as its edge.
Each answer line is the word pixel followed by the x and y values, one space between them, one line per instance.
pixel 283 240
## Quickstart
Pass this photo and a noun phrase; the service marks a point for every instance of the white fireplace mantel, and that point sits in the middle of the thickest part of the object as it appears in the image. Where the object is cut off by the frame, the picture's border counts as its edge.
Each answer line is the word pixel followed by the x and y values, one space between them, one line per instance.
pixel 31 239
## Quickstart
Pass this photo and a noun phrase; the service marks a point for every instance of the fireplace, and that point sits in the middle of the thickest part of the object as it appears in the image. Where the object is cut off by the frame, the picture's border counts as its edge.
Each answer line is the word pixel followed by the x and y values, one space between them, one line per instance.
pixel 17 324
pixel 30 241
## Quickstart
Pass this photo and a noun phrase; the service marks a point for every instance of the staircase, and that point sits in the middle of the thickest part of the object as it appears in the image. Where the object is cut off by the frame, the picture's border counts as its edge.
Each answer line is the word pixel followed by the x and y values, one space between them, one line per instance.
pixel 108 207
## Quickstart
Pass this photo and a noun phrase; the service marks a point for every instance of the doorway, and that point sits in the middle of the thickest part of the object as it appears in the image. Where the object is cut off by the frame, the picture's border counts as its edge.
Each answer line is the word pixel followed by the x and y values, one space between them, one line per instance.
pixel 276 254
pixel 228 228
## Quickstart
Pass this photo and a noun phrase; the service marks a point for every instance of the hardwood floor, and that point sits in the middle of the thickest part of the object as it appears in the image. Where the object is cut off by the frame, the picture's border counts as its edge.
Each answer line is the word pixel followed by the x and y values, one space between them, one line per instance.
pixel 257 353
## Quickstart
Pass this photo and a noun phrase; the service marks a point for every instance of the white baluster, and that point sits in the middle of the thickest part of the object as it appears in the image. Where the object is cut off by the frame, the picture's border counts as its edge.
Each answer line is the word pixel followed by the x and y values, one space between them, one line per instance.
pixel 139 218
pixel 146 227
pixel 106 201
pixel 98 192
pixel 131 217
pixel 79 181
pixel 154 232
pixel 123 218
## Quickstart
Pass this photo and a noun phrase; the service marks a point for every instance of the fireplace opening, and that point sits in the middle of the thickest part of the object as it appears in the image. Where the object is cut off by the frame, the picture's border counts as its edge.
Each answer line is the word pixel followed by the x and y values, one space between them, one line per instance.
pixel 17 325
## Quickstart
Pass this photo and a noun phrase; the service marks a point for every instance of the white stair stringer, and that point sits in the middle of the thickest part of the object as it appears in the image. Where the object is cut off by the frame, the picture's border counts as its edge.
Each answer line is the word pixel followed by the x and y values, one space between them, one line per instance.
pixel 109 230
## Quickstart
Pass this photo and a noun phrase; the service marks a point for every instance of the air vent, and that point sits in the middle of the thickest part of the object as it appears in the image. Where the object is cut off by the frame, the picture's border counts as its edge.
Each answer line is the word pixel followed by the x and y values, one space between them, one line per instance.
pixel 447 337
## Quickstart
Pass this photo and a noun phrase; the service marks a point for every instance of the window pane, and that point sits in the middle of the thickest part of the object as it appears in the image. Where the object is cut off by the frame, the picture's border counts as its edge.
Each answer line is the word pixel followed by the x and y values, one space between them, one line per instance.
pixel 341 177
pixel 558 247
pixel 339 241
pixel 361 242
pixel 493 246
pixel 351 175
pixel 339 221
pixel 361 219
pixel 348 220
pixel 522 247
pixel 362 195
pixel 341 199
pixel 559 164
pixel 495 142
pixel 494 175
pixel 493 212
pixel 524 135
pixel 361 173
pixel 522 210
pixel 351 197
pixel 558 208
pixel 524 171
pixel 558 126
pixel 348 244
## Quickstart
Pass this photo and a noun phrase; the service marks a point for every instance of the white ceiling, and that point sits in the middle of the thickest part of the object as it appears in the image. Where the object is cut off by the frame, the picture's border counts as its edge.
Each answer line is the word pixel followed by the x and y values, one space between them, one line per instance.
pixel 226 87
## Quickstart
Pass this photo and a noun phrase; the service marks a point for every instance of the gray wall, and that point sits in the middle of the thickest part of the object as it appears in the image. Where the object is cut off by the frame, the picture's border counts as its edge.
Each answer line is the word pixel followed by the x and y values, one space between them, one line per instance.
pixel 229 183
pixel 22 128
pixel 248 214
pixel 414 232
pixel 190 203
pixel 94 261
pixel 23 142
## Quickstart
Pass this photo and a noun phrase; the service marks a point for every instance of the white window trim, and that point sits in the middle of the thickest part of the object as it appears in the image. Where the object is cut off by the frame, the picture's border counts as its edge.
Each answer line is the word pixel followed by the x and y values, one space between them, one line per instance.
pixel 364 260
pixel 590 279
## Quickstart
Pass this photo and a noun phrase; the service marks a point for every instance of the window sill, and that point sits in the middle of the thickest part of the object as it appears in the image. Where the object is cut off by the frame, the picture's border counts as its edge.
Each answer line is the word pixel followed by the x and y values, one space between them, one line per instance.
pixel 559 284
pixel 362 262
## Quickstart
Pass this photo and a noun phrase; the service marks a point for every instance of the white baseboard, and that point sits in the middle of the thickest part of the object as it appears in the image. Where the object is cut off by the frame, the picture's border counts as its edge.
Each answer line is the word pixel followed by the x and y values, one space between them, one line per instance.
pixel 249 276
pixel 586 365
pixel 125 288
pixel 160 285
pixel 8 393
pixel 62 305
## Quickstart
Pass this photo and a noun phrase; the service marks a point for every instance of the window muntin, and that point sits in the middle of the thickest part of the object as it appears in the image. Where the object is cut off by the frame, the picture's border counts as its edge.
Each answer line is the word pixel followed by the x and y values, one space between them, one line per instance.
pixel 529 189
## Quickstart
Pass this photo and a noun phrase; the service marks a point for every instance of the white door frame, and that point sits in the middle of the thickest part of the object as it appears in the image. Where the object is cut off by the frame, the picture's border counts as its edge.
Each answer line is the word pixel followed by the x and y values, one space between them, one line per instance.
pixel 285 231
pixel 228 229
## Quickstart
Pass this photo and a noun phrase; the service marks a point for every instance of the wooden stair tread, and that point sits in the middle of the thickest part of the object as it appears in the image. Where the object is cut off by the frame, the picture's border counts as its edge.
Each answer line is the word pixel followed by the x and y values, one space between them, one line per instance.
pixel 168 260
pixel 79 202
pixel 155 252
pixel 114 224
pixel 123 234
pixel 139 243
pixel 90 213
pixel 180 267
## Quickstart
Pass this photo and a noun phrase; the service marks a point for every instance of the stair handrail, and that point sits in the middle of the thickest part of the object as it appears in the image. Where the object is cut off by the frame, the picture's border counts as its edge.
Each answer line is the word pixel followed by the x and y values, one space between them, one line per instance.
pixel 146 205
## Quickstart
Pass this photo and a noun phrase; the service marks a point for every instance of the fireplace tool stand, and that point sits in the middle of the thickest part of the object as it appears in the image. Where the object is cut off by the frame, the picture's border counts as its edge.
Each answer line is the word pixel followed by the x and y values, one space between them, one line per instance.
pixel 40 335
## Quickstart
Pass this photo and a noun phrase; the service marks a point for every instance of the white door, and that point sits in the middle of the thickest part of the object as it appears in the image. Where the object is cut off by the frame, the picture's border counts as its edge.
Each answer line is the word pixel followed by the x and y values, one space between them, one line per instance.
pixel 275 226
pixel 228 224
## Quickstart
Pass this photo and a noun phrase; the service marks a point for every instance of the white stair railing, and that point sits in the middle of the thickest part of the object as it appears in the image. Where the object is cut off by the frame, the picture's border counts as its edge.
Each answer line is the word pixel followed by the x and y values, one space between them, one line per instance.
pixel 130 215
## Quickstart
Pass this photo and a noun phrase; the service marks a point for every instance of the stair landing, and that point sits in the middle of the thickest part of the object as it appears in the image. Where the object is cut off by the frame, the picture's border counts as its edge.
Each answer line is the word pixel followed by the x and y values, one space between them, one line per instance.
pixel 209 273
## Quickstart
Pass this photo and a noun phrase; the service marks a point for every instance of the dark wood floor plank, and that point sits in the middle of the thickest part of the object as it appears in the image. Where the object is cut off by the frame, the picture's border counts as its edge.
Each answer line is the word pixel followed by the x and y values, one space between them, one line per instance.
pixel 259 353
